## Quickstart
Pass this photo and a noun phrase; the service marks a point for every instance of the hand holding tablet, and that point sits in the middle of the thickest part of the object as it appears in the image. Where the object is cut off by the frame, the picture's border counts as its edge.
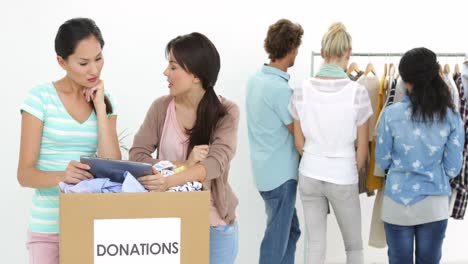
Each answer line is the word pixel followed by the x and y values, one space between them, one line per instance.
pixel 114 169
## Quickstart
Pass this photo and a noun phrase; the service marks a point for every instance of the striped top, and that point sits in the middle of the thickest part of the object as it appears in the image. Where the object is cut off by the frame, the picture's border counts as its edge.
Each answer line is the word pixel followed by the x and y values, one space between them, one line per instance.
pixel 63 139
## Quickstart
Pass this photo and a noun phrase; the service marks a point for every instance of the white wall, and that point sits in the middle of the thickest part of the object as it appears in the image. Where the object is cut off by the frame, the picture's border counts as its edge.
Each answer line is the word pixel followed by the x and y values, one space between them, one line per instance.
pixel 136 33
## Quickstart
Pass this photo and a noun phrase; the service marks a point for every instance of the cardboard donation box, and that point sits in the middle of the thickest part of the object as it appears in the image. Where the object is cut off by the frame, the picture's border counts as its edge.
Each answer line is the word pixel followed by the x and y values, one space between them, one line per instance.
pixel 136 228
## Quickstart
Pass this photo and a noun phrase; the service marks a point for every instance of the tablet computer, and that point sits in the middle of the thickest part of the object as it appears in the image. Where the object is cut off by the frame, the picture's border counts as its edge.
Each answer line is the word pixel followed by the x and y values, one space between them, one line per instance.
pixel 114 169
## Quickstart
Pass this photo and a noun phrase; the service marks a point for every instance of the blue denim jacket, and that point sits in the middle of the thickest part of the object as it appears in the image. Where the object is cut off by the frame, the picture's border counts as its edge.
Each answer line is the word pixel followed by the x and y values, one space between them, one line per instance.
pixel 421 157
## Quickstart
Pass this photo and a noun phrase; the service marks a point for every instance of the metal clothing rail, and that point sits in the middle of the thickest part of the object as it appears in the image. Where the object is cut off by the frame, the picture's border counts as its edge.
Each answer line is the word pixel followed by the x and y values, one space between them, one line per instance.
pixel 382 54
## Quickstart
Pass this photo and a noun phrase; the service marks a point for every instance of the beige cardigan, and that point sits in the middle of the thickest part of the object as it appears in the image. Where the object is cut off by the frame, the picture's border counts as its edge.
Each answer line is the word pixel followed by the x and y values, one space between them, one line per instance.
pixel 222 150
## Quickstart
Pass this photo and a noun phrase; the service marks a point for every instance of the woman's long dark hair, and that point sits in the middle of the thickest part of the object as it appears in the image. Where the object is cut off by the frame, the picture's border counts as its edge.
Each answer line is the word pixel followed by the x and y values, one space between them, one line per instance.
pixel 196 54
pixel 70 34
pixel 430 97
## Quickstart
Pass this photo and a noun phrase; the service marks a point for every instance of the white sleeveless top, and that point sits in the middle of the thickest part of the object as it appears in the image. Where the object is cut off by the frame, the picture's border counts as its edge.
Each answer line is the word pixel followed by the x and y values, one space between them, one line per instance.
pixel 330 112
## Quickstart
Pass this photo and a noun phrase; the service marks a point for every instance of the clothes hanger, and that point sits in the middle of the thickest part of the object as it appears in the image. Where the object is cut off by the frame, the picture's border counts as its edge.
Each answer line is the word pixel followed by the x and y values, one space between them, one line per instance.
pixel 446 69
pixel 457 69
pixel 370 69
pixel 352 68
pixel 385 67
pixel 383 81
pixel 389 75
pixel 391 68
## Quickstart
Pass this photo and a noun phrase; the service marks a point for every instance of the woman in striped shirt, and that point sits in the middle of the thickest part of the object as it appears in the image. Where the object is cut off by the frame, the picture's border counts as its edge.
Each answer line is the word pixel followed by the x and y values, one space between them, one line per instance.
pixel 62 121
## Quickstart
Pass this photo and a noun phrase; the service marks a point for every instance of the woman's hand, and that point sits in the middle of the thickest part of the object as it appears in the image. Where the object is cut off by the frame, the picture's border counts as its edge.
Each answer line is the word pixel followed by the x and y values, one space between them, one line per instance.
pixel 155 182
pixel 198 154
pixel 96 94
pixel 76 172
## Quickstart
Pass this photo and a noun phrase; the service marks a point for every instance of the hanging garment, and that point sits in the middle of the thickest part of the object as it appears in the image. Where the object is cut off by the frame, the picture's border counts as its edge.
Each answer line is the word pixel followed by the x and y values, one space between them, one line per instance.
pixel 460 183
pixel 464 79
pixel 376 182
pixel 362 174
pixel 400 90
pixel 389 100
pixel 455 78
pixel 388 83
pixel 377 236
pixel 453 90
pixel 391 93
pixel 372 85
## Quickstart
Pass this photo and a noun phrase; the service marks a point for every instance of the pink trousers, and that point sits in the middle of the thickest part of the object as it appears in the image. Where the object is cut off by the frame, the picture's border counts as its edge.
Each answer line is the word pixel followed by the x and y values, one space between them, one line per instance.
pixel 43 248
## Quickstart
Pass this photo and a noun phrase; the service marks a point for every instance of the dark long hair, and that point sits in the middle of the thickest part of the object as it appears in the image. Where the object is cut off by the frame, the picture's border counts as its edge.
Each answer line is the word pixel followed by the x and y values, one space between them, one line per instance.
pixel 197 55
pixel 430 97
pixel 70 34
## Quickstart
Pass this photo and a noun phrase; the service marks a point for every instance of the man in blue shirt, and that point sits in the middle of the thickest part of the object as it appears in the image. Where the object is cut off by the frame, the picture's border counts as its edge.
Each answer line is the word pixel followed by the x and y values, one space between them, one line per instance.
pixel 274 158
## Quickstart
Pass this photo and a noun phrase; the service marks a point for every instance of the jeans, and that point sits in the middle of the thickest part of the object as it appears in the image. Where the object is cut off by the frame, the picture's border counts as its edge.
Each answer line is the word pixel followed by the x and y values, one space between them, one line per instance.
pixel 429 238
pixel 344 199
pixel 282 229
pixel 224 244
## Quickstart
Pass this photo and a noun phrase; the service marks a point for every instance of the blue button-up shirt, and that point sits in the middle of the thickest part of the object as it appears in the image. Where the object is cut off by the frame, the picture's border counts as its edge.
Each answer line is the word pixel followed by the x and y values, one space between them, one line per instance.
pixel 421 157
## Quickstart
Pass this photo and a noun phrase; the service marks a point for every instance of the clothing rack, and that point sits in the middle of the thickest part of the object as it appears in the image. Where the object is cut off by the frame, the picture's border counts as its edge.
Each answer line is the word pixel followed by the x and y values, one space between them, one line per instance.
pixel 382 54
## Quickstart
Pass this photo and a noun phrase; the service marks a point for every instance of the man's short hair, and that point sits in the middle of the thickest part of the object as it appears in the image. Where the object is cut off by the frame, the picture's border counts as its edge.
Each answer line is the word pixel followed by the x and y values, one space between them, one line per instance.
pixel 282 37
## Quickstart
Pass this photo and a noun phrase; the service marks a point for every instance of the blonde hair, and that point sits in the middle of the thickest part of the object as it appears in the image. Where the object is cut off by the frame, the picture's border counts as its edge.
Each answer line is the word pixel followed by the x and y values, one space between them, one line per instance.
pixel 336 42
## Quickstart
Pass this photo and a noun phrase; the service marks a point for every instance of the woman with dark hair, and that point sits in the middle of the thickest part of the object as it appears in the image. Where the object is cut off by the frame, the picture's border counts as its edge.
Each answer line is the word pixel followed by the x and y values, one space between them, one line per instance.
pixel 420 142
pixel 195 128
pixel 62 121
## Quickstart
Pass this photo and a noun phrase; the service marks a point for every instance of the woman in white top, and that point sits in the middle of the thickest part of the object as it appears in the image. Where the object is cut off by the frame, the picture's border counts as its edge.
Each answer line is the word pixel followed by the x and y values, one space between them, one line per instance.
pixel 330 113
